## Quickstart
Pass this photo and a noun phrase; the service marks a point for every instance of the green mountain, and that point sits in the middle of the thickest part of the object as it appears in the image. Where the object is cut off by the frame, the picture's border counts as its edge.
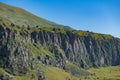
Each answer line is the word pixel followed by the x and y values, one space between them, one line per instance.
pixel 20 17
pixel 50 53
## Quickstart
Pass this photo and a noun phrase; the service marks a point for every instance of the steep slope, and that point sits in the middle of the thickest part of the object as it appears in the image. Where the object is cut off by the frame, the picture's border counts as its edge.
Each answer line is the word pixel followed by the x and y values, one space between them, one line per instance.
pixel 86 49
pixel 20 58
pixel 21 17
pixel 24 49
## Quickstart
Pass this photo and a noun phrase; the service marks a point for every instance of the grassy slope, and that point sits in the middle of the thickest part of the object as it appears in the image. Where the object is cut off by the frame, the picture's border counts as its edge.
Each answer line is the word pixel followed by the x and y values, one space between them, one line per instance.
pixel 76 70
pixel 4 73
pixel 28 76
pixel 54 73
pixel 21 17
pixel 106 73
pixel 51 73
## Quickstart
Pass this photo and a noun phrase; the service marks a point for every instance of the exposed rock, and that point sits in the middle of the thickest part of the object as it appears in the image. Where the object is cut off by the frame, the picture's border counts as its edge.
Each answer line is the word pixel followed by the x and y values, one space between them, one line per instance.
pixel 84 51
pixel 40 75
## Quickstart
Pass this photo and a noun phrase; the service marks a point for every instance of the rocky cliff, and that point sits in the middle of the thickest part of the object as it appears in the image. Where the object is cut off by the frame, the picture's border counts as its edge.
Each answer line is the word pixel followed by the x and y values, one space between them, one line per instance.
pixel 85 50
pixel 23 49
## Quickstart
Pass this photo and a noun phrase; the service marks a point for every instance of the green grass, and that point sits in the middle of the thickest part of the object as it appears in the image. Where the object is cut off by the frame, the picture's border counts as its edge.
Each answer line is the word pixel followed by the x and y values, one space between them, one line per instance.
pixel 83 33
pixel 70 67
pixel 32 75
pixel 38 49
pixel 54 73
pixel 3 72
pixel 21 17
pixel 106 73
pixel 96 36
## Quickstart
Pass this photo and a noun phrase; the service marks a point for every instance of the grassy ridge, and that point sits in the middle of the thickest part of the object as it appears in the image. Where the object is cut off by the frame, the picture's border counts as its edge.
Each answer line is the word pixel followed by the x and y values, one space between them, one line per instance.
pixel 20 17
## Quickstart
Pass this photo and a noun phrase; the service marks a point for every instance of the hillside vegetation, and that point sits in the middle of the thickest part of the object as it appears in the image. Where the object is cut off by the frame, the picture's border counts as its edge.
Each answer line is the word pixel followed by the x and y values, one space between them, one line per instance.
pixel 53 53
pixel 21 17
pixel 106 73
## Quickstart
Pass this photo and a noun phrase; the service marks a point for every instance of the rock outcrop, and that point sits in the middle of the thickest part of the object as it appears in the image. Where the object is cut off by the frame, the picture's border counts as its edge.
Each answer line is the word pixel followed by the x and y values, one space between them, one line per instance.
pixel 84 49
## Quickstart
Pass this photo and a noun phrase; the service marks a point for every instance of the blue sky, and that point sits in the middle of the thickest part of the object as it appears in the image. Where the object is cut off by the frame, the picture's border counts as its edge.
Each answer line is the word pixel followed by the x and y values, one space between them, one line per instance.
pixel 102 16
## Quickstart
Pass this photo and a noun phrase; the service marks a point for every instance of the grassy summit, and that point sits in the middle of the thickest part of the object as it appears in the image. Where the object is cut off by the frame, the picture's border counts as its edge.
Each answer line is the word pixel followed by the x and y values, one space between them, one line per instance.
pixel 20 17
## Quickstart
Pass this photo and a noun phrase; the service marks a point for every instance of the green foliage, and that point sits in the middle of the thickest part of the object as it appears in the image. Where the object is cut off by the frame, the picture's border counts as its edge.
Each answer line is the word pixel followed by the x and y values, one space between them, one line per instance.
pixel 101 36
pixel 83 33
pixel 96 36
pixel 106 36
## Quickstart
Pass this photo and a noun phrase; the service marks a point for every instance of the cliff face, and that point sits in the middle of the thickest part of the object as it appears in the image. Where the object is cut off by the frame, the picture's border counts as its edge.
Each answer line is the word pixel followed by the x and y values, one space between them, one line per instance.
pixel 13 54
pixel 85 51
pixel 23 49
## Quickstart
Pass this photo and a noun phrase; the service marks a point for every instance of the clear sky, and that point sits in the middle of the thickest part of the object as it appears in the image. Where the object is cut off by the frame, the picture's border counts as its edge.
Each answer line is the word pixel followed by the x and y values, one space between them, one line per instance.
pixel 102 16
